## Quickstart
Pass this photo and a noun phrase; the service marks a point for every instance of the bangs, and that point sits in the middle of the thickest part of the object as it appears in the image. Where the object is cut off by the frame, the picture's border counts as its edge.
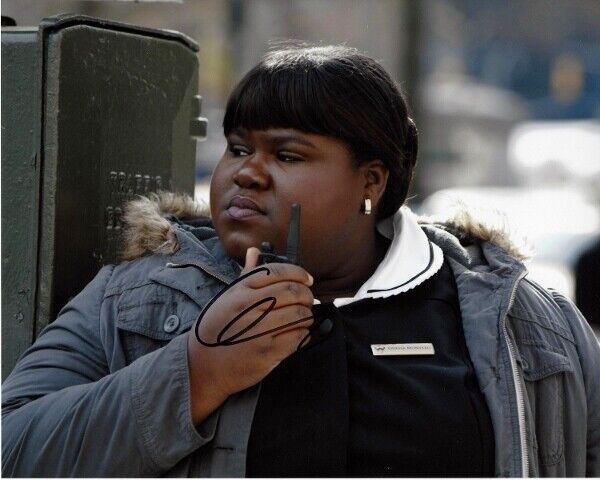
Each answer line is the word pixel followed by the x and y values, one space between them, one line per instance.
pixel 296 97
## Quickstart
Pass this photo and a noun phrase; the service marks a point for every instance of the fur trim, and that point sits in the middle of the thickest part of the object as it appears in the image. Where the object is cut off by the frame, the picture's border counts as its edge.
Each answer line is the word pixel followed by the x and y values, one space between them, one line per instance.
pixel 477 224
pixel 146 229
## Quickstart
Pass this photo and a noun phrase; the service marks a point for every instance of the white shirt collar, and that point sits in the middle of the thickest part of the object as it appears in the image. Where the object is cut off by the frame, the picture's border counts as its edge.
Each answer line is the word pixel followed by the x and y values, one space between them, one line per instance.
pixel 410 260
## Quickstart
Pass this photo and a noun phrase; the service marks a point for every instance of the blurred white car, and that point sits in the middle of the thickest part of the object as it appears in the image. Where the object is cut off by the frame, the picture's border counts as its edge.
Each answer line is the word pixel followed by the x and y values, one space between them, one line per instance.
pixel 556 151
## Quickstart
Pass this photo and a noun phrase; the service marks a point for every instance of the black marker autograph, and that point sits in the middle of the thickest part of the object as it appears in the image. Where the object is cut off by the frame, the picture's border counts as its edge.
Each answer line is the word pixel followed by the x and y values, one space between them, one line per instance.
pixel 235 338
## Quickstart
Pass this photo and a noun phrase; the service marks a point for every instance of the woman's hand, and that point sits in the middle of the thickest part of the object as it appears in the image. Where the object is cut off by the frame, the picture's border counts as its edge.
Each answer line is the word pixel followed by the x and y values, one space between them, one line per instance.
pixel 216 372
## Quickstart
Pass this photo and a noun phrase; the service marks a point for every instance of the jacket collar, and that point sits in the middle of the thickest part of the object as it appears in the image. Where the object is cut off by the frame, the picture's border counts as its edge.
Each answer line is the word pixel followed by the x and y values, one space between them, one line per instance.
pixel 198 268
pixel 208 255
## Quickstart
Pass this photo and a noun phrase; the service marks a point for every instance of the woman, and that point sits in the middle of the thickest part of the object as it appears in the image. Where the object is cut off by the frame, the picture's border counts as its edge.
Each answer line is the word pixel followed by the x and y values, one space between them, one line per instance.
pixel 438 356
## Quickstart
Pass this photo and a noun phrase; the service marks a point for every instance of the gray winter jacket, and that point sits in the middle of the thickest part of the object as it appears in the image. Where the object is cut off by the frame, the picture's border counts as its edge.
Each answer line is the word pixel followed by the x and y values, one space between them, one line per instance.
pixel 105 390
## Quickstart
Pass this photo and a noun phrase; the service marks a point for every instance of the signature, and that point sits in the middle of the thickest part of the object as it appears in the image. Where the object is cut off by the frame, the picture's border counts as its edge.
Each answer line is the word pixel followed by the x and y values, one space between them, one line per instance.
pixel 226 340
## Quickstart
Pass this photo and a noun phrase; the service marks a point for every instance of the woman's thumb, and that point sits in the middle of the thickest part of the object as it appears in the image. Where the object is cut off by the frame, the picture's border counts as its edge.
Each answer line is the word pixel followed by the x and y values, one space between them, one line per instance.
pixel 251 259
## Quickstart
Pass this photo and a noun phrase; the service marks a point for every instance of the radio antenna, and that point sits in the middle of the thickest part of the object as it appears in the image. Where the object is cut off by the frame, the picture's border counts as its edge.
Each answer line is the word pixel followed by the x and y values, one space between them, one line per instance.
pixel 293 238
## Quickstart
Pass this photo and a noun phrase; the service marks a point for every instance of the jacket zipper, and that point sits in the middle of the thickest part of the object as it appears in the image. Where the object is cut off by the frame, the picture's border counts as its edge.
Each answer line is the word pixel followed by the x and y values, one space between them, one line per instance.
pixel 518 383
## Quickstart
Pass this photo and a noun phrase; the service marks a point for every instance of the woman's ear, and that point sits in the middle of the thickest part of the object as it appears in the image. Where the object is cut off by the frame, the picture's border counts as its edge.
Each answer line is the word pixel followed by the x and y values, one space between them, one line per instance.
pixel 376 176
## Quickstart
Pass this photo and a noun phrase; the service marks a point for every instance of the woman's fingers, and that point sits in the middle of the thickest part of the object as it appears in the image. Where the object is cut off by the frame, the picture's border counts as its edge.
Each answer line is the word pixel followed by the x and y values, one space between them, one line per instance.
pixel 274 272
pixel 250 328
pixel 290 341
pixel 251 259
pixel 286 293
pixel 290 318
pixel 279 272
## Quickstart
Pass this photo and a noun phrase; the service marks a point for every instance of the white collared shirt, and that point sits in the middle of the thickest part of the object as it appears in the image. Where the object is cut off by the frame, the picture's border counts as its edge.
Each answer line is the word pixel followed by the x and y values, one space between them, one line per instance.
pixel 410 260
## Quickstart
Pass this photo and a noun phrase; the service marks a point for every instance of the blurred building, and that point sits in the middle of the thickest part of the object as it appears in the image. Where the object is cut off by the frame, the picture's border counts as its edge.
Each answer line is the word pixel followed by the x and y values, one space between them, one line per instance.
pixel 472 69
pixel 486 67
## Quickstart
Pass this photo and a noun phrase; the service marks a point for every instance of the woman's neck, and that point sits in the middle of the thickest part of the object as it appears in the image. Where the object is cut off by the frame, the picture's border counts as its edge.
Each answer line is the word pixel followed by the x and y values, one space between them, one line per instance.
pixel 354 272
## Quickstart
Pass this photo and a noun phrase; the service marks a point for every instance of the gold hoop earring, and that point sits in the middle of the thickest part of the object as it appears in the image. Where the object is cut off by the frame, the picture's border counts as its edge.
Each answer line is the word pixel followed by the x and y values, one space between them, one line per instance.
pixel 367 210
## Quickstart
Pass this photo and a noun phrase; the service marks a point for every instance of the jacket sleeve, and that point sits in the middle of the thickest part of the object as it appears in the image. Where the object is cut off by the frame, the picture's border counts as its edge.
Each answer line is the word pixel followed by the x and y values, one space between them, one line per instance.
pixel 64 413
pixel 588 348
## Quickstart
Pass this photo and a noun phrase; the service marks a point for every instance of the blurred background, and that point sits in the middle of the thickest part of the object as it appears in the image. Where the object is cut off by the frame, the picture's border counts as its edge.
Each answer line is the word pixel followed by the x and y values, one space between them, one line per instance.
pixel 506 95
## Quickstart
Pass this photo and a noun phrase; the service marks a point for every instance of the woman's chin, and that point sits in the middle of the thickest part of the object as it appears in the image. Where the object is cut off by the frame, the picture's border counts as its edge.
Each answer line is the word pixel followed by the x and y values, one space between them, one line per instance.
pixel 238 237
pixel 236 245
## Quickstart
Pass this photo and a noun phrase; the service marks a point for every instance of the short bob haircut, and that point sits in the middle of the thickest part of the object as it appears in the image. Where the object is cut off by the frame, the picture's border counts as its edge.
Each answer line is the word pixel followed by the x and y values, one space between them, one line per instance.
pixel 334 91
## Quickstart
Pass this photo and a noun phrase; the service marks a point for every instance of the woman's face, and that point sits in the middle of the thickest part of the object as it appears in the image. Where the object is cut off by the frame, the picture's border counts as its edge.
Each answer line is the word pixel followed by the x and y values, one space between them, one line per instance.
pixel 263 172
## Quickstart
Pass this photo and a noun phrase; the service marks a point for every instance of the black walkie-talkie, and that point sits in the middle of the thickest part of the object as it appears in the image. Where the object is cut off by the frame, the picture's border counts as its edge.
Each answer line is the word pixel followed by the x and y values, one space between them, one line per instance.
pixel 267 254
pixel 323 324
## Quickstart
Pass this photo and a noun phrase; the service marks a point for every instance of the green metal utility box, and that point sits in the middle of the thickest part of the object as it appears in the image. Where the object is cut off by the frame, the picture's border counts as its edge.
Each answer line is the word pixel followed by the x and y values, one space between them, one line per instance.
pixel 93 113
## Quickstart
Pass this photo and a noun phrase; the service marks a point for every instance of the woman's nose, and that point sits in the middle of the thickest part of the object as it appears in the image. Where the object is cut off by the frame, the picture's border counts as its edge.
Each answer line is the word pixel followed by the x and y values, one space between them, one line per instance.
pixel 253 173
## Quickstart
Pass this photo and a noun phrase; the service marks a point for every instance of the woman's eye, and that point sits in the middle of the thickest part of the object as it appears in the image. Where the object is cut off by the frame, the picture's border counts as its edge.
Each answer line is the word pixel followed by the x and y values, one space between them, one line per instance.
pixel 239 151
pixel 289 157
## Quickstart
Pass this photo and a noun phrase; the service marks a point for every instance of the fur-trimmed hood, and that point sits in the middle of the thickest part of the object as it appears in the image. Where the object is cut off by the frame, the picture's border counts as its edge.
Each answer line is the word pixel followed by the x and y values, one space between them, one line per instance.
pixel 148 230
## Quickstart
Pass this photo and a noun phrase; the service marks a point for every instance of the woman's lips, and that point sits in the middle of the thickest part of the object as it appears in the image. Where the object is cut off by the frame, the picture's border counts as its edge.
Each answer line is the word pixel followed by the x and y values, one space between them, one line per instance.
pixel 238 213
pixel 243 207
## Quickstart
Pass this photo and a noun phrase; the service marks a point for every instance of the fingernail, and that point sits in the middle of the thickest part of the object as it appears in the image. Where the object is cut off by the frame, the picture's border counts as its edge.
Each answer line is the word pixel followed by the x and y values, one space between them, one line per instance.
pixel 310 277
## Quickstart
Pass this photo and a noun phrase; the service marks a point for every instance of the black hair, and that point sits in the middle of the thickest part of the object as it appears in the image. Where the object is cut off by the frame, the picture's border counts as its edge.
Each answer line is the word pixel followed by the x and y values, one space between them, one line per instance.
pixel 334 91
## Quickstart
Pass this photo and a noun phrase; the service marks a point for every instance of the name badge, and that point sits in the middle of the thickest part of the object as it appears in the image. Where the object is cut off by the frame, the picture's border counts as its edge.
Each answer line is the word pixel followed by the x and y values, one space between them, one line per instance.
pixel 403 349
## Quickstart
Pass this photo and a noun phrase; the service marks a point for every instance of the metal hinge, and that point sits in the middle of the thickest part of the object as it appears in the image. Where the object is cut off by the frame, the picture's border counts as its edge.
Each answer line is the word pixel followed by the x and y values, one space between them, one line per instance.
pixel 198 124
